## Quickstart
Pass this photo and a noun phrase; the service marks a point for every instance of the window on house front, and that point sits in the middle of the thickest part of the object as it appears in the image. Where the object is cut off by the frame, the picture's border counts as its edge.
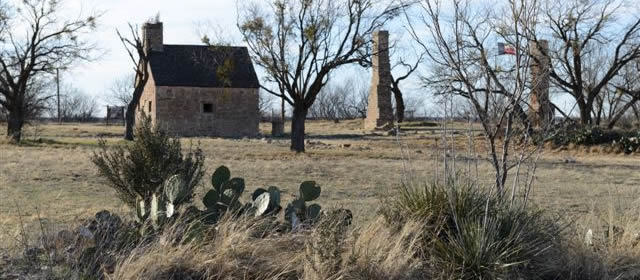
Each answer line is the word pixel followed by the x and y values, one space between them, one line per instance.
pixel 207 108
pixel 149 107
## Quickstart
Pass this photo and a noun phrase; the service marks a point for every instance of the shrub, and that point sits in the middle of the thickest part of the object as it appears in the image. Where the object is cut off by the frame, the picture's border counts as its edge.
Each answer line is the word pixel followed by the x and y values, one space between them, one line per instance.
pixel 626 141
pixel 629 143
pixel 138 170
pixel 584 135
pixel 470 233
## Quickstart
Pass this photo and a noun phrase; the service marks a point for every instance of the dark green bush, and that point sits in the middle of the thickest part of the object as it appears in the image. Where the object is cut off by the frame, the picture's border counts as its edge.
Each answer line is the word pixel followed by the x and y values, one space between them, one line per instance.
pixel 139 169
pixel 629 143
pixel 566 134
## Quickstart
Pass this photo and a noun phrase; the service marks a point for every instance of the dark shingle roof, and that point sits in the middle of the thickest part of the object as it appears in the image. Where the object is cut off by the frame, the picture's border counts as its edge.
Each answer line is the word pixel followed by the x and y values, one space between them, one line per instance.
pixel 197 66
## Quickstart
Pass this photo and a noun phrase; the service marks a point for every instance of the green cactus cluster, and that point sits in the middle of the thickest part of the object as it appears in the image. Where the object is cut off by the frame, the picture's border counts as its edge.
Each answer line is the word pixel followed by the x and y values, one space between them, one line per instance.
pixel 225 195
pixel 164 203
pixel 298 212
pixel 224 198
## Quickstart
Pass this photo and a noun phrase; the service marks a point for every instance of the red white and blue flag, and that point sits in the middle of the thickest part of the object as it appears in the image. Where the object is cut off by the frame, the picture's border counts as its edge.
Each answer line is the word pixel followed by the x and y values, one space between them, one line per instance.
pixel 506 49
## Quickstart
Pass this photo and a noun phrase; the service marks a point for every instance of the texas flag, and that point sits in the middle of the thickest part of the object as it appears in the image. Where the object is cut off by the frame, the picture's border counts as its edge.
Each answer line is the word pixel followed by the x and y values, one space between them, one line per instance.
pixel 506 49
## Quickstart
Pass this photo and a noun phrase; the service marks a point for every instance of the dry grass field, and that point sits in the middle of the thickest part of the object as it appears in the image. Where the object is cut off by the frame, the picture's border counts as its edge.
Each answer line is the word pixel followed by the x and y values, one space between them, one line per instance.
pixel 50 180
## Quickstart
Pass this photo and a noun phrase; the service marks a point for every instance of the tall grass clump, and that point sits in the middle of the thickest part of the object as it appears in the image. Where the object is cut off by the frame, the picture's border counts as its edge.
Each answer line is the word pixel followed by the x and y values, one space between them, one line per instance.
pixel 472 233
pixel 247 249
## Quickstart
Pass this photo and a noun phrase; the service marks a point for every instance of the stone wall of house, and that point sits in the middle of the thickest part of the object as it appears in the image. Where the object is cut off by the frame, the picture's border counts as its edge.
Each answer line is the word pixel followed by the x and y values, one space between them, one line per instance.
pixel 233 111
pixel 147 102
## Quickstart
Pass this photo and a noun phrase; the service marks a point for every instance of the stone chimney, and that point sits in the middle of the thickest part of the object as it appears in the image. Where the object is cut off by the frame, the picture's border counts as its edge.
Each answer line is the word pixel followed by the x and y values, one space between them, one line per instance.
pixel 541 112
pixel 152 36
pixel 379 111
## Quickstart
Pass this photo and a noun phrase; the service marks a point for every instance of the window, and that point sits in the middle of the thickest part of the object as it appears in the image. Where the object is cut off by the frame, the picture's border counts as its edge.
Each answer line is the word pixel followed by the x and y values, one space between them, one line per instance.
pixel 149 107
pixel 207 108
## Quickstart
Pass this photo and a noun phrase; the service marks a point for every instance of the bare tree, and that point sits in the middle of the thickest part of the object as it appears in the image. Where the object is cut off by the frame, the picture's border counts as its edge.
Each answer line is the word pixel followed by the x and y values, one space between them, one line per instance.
pixel 35 41
pixel 590 43
pixel 139 56
pixel 299 43
pixel 120 92
pixel 265 104
pixel 620 97
pixel 357 101
pixel 462 62
pixel 395 84
pixel 75 105
pixel 344 99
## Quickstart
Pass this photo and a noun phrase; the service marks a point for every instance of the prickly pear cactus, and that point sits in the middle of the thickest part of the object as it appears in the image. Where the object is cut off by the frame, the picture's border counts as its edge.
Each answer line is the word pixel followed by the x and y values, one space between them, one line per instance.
pixel 309 190
pixel 221 175
pixel 141 210
pixel 257 192
pixel 225 194
pixel 261 204
pixel 274 194
pixel 158 211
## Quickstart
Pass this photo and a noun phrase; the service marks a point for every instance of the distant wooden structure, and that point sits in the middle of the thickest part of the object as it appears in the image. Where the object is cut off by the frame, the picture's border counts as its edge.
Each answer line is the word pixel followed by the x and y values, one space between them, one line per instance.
pixel 115 114
pixel 277 125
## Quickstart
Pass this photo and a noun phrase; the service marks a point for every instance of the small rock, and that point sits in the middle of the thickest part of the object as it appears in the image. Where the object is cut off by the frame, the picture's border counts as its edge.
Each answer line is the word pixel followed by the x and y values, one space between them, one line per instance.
pixel 569 160
pixel 418 151
pixel 84 238
pixel 64 238
pixel 588 238
pixel 345 145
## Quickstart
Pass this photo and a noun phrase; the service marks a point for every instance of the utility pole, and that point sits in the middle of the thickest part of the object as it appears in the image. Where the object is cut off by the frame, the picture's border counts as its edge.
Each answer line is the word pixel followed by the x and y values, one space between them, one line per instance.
pixel 282 112
pixel 58 92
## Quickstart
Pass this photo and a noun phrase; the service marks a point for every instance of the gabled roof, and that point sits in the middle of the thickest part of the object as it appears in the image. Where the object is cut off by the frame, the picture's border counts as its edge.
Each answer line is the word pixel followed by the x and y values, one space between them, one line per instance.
pixel 198 66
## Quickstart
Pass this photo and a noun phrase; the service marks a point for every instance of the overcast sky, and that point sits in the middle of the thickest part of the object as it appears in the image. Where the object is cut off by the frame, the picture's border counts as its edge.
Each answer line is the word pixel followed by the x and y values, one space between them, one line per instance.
pixel 182 20
pixel 184 23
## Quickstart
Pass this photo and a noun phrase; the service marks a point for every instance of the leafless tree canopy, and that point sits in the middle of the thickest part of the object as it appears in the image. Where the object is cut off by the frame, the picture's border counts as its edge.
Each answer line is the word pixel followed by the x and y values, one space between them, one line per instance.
pixel 121 90
pixel 591 42
pixel 345 99
pixel 458 41
pixel 299 43
pixel 75 105
pixel 35 41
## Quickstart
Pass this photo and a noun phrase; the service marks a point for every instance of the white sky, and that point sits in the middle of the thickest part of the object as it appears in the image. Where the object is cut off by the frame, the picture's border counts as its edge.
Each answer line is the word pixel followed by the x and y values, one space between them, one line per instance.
pixel 183 24
pixel 182 19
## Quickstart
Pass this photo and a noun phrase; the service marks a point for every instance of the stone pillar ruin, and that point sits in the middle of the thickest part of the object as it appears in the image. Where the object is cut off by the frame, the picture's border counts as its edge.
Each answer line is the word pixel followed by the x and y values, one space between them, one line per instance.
pixel 541 112
pixel 380 111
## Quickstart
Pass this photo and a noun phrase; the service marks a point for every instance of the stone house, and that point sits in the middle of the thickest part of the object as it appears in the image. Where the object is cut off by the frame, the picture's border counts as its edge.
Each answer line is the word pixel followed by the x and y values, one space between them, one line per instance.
pixel 198 90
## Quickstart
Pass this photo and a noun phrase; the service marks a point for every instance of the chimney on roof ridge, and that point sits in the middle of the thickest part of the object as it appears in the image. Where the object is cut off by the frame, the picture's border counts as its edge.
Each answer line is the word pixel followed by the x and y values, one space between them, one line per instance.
pixel 152 36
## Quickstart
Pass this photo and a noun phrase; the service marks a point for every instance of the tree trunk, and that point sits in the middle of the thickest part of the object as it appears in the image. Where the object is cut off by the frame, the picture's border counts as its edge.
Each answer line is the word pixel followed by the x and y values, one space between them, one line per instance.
pixel 14 126
pixel 297 128
pixel 616 117
pixel 397 94
pixel 130 119
pixel 282 111
pixel 585 114
pixel 130 115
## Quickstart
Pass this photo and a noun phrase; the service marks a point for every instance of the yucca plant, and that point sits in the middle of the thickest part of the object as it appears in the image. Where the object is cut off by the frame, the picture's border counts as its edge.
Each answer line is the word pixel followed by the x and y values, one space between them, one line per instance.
pixel 472 233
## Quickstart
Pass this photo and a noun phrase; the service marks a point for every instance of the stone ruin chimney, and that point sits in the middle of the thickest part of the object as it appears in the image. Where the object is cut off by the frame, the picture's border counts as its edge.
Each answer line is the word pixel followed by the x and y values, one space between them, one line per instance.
pixel 541 112
pixel 379 111
pixel 152 36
